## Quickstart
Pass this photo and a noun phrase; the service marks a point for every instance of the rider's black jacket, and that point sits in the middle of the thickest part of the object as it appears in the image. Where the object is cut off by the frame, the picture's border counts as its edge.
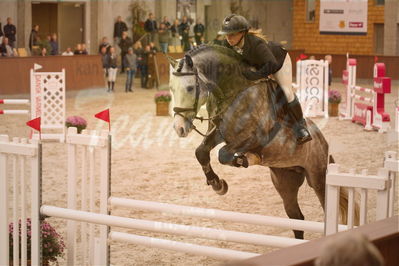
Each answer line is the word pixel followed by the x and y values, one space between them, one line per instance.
pixel 266 56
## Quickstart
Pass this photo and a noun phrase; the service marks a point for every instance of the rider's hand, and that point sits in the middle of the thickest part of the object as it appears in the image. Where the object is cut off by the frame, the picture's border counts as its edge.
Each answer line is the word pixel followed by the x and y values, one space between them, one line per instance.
pixel 251 75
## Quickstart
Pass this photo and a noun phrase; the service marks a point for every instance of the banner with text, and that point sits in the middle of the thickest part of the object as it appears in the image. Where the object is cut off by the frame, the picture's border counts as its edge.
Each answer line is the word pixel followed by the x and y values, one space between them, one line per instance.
pixel 343 17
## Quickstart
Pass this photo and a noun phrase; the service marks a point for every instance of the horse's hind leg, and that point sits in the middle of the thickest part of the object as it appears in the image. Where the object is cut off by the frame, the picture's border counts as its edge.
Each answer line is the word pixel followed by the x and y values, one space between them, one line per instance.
pixel 287 183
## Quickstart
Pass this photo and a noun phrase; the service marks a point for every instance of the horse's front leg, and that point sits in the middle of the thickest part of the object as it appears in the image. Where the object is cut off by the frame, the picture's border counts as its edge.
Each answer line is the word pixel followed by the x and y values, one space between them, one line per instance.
pixel 203 156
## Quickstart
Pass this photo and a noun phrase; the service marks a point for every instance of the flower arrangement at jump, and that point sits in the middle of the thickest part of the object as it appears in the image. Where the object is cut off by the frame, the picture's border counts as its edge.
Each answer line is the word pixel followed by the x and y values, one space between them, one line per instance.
pixel 76 121
pixel 334 96
pixel 163 96
pixel 52 243
pixel 334 99
pixel 162 99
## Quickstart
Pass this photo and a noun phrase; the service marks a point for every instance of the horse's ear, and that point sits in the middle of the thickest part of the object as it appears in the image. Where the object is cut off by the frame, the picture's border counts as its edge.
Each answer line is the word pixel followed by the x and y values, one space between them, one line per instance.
pixel 189 60
pixel 171 60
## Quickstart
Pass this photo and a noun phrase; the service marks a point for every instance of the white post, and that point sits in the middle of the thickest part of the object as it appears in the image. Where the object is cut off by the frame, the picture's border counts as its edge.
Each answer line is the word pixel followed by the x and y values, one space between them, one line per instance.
pixel 4 239
pixel 71 225
pixel 383 196
pixel 105 179
pixel 16 194
pixel 332 202
pixel 36 202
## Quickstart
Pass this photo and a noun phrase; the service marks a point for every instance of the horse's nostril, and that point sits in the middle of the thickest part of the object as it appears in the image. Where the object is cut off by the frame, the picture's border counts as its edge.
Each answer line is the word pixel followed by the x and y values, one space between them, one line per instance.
pixel 181 131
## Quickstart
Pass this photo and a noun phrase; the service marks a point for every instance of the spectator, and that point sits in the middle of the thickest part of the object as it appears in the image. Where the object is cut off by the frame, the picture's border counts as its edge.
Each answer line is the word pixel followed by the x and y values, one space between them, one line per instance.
pixel 68 52
pixel 153 48
pixel 349 250
pixel 175 41
pixel 54 45
pixel 104 43
pixel 34 37
pixel 130 63
pixel 5 49
pixel 78 50
pixel 43 51
pixel 184 31
pixel 84 50
pixel 163 35
pixel 141 63
pixel 150 26
pixel 166 22
pixel 218 40
pixel 199 30
pixel 104 58
pixel 328 58
pixel 150 77
pixel 1 33
pixel 112 68
pixel 125 43
pixel 119 28
pixel 10 31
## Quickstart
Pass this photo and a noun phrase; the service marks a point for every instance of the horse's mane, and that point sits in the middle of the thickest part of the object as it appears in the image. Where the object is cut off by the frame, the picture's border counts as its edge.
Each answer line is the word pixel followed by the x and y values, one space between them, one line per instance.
pixel 222 49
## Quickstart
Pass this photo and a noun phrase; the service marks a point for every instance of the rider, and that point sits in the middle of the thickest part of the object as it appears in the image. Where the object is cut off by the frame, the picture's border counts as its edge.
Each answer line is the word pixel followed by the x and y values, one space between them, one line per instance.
pixel 267 58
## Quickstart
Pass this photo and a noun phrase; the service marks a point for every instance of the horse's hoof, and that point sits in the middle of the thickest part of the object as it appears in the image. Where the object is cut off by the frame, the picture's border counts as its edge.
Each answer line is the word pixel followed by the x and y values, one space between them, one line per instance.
pixel 222 187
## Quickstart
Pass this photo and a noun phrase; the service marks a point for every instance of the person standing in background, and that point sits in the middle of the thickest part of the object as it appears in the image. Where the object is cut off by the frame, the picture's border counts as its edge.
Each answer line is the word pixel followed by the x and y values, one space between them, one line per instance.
pixel 68 52
pixel 328 58
pixel 125 43
pixel 104 43
pixel 130 64
pixel 54 45
pixel 104 58
pixel 34 37
pixel 1 33
pixel 112 68
pixel 10 31
pixel 119 27
pixel 150 26
pixel 5 49
pixel 163 34
pixel 184 32
pixel 166 22
pixel 174 29
pixel 141 64
pixel 199 30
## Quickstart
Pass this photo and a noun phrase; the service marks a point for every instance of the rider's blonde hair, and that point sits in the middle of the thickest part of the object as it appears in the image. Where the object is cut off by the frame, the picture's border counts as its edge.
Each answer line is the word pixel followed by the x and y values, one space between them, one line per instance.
pixel 258 33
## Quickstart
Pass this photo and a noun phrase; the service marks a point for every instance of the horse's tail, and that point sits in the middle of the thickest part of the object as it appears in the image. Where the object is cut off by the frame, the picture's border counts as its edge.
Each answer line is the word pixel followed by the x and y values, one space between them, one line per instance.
pixel 343 203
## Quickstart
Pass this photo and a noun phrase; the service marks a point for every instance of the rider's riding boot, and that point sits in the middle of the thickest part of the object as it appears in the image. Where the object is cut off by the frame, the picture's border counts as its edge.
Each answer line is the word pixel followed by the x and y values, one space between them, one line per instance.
pixel 298 122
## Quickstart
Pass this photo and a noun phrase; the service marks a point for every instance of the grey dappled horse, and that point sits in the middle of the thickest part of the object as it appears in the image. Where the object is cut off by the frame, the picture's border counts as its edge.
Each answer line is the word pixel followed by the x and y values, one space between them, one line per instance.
pixel 250 118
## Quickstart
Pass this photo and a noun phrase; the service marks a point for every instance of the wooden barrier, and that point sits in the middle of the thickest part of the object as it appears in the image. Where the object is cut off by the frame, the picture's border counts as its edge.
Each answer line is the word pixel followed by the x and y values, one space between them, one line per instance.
pixel 82 72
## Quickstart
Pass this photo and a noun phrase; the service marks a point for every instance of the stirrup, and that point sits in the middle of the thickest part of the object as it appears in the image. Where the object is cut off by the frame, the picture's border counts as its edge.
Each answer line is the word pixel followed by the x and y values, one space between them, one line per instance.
pixel 240 160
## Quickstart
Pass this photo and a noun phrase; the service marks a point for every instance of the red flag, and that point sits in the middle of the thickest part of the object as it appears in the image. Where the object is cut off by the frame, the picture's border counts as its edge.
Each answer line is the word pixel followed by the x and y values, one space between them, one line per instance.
pixel 104 115
pixel 375 59
pixel 35 124
pixel 303 56
pixel 297 59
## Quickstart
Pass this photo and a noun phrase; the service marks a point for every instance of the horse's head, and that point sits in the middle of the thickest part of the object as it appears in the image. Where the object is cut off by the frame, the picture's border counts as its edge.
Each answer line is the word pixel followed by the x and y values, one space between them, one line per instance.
pixel 188 93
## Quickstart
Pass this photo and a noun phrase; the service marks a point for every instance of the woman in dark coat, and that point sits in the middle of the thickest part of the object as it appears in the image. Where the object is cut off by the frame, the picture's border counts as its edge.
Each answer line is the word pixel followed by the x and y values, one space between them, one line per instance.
pixel 267 58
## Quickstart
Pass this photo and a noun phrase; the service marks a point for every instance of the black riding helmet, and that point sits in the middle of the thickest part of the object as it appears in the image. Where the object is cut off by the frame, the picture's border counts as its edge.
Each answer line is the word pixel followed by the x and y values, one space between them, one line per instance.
pixel 234 23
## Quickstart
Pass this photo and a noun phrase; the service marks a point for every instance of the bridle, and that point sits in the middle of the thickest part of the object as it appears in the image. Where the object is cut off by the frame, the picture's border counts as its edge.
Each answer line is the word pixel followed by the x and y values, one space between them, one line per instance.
pixel 179 110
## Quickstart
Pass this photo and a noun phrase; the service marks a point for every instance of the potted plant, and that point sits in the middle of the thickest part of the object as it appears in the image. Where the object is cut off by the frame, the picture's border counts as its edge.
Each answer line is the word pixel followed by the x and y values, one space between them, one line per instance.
pixel 76 121
pixel 162 100
pixel 334 98
pixel 52 243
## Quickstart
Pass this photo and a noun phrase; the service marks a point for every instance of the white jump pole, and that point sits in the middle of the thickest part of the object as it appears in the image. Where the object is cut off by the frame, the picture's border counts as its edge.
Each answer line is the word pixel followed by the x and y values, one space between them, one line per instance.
pixel 256 219
pixel 14 112
pixel 216 253
pixel 169 228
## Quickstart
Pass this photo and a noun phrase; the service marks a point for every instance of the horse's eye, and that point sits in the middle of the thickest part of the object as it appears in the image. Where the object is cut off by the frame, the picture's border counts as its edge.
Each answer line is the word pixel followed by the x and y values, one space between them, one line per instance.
pixel 190 88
